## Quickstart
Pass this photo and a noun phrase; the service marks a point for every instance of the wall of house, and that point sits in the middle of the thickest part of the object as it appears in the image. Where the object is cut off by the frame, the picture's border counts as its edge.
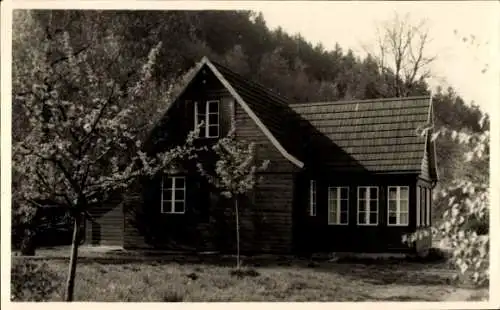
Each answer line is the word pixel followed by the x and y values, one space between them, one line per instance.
pixel 209 221
pixel 314 234
pixel 107 227
pixel 266 218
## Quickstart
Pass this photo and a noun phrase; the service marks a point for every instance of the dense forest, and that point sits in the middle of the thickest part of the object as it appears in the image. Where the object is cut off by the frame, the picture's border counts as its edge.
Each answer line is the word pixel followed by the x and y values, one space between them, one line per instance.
pixel 241 40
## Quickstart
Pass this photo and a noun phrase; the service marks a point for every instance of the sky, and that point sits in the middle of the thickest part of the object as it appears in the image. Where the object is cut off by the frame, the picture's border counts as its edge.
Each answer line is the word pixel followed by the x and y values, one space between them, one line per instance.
pixel 352 25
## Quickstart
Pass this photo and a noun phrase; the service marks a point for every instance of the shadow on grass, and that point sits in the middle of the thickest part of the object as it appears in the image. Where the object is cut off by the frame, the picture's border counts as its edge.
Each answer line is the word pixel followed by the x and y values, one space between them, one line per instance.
pixel 374 271
pixel 403 273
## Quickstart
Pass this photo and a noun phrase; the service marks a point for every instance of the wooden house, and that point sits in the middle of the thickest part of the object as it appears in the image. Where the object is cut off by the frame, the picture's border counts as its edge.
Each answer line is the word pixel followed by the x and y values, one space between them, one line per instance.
pixel 350 176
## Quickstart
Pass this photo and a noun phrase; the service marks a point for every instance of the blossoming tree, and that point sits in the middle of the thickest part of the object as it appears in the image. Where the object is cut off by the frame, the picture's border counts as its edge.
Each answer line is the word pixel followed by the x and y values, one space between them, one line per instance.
pixel 235 174
pixel 83 126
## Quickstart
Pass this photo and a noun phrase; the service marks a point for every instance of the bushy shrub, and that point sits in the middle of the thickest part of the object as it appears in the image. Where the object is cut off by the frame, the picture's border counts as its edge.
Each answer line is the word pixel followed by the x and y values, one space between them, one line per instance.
pixel 33 281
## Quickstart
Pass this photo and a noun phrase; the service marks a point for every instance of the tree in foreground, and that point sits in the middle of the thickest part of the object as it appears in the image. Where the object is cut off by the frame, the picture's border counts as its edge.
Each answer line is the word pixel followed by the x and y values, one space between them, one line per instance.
pixel 235 173
pixel 83 128
pixel 465 222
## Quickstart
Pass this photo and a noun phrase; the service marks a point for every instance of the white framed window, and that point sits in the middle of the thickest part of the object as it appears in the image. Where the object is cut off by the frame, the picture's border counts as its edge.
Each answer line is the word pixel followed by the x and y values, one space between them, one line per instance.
pixel 417 195
pixel 428 206
pixel 367 205
pixel 398 205
pixel 338 205
pixel 173 194
pixel 312 198
pixel 208 113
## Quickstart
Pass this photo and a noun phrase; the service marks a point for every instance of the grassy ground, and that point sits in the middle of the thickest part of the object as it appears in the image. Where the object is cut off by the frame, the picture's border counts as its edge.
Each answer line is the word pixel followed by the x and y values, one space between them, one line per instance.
pixel 183 280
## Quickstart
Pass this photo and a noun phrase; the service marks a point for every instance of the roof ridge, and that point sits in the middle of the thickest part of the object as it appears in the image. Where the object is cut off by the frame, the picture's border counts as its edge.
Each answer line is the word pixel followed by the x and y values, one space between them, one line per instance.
pixel 361 100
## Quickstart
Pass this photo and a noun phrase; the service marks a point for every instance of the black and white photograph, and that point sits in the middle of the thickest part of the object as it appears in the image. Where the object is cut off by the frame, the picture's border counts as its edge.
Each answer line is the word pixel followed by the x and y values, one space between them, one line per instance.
pixel 267 151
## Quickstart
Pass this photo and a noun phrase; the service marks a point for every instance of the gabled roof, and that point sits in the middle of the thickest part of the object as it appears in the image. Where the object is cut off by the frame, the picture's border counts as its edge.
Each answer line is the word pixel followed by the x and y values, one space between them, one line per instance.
pixel 381 135
pixel 378 135
pixel 267 109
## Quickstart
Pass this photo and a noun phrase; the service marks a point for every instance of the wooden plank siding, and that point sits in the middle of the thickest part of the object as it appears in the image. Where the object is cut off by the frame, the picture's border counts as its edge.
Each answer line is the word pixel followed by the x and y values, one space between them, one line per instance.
pixel 265 221
pixel 107 227
pixel 314 234
pixel 266 216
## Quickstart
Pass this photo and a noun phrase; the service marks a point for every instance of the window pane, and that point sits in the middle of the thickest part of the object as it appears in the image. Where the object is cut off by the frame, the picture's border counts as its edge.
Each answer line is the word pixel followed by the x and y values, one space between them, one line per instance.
pixel 179 207
pixel 373 205
pixel 213 131
pixel 422 196
pixel 362 193
pixel 373 193
pixel 344 193
pixel 213 119
pixel 333 205
pixel 404 193
pixel 361 218
pixel 343 218
pixel 404 206
pixel 167 182
pixel 179 194
pixel 213 106
pixel 167 194
pixel 362 206
pixel 392 218
pixel 404 218
pixel 422 205
pixel 344 205
pixel 179 183
pixel 332 217
pixel 166 207
pixel 373 217
pixel 332 193
pixel 418 206
pixel 393 193
pixel 312 198
pixel 393 206
pixel 202 108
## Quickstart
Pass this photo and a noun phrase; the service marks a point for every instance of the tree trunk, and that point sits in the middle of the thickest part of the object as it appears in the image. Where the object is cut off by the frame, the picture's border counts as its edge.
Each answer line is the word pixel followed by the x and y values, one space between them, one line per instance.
pixel 73 259
pixel 237 234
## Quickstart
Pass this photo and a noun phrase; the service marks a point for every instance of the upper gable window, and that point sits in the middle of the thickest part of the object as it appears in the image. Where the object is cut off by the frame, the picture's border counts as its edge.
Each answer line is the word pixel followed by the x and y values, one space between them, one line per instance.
pixel 208 113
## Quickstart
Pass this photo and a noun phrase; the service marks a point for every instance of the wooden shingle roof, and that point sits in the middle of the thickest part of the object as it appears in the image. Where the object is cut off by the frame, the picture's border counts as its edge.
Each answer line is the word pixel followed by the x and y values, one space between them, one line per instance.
pixel 380 135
